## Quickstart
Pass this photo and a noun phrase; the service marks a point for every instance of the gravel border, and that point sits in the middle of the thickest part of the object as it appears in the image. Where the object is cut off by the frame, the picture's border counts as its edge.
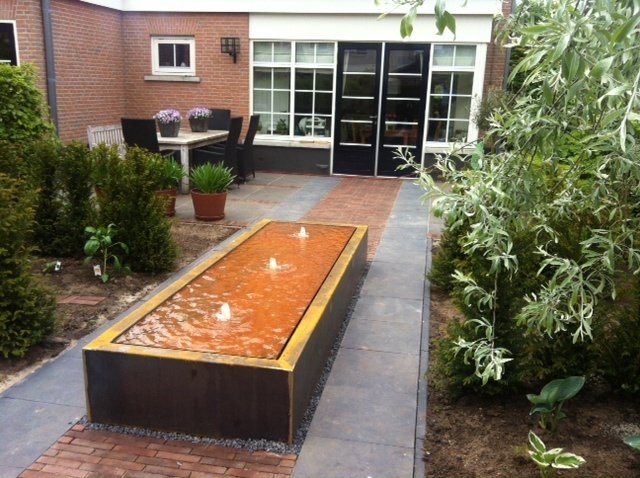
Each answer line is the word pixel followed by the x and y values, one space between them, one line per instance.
pixel 253 444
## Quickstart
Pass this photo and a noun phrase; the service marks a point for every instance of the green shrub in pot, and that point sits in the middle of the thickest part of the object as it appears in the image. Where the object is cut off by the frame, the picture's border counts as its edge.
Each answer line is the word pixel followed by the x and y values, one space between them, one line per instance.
pixel 212 178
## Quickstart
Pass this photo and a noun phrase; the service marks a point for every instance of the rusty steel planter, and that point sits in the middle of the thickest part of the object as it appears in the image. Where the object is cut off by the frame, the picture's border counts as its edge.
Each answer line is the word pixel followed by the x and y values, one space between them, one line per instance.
pixel 211 394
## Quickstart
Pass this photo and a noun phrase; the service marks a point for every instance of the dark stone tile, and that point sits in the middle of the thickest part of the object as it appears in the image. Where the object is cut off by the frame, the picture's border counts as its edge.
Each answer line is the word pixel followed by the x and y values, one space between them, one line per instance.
pixel 389 309
pixel 400 280
pixel 399 338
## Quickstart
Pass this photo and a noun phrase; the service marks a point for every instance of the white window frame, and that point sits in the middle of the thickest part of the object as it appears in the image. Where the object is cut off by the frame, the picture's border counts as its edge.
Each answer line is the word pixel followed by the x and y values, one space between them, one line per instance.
pixel 292 65
pixel 15 40
pixel 156 69
pixel 476 93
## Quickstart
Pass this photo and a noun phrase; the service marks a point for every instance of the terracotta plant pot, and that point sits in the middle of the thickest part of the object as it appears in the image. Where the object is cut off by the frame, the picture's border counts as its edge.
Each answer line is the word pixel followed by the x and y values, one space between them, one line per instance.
pixel 169 195
pixel 169 130
pixel 199 125
pixel 208 206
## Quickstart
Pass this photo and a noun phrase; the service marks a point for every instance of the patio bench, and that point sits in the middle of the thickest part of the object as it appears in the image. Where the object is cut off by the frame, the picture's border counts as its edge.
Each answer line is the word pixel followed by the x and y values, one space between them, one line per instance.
pixel 109 135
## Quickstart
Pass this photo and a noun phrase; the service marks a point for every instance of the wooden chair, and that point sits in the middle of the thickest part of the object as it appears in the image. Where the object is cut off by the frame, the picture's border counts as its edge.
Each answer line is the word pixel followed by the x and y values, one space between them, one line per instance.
pixel 246 164
pixel 226 154
pixel 110 135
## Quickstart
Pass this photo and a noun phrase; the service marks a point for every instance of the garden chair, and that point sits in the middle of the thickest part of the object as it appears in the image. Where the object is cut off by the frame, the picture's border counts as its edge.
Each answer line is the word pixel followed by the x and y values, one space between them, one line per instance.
pixel 220 119
pixel 226 154
pixel 141 133
pixel 110 135
pixel 245 150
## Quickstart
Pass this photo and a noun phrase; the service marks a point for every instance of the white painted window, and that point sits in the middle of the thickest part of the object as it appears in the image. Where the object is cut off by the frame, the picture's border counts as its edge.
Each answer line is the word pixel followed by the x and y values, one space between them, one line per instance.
pixel 450 95
pixel 173 56
pixel 293 87
pixel 8 43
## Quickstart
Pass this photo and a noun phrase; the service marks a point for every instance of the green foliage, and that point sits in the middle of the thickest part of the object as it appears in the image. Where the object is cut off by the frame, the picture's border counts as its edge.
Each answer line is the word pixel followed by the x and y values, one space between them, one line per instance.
pixel 633 441
pixel 551 399
pixel 100 244
pixel 444 19
pixel 212 178
pixel 128 199
pixel 23 111
pixel 26 309
pixel 171 173
pixel 565 178
pixel 554 458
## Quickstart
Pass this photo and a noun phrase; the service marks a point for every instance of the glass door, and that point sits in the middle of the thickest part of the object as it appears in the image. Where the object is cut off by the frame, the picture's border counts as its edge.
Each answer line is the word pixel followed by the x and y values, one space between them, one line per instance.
pixel 357 104
pixel 402 105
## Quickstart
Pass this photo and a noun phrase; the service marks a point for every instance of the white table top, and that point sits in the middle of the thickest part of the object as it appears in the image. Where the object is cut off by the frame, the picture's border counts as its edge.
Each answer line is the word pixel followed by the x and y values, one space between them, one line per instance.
pixel 187 137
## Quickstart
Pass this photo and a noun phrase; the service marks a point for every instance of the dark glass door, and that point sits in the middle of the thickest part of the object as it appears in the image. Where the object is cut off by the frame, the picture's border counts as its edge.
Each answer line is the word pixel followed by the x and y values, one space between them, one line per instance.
pixel 357 102
pixel 403 100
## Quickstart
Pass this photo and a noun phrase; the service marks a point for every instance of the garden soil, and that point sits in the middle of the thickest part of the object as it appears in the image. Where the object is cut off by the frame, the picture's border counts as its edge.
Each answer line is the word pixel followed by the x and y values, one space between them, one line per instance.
pixel 487 437
pixel 74 321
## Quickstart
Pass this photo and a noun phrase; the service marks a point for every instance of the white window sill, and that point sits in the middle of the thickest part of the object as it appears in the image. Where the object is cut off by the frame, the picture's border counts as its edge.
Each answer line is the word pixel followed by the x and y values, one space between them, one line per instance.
pixel 178 78
pixel 318 143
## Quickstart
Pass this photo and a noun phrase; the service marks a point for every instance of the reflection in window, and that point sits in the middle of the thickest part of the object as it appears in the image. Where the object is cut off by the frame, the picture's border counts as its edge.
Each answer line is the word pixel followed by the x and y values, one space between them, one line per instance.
pixel 8 47
pixel 450 93
pixel 308 111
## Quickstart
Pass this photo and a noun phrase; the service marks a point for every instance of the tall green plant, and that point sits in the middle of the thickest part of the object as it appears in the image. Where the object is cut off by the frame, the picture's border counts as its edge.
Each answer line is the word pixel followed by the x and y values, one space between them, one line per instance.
pixel 581 87
pixel 548 403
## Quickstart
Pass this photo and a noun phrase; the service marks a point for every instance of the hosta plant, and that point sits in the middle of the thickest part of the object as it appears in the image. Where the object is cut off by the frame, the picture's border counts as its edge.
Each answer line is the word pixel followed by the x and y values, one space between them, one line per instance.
pixel 551 398
pixel 547 460
pixel 633 441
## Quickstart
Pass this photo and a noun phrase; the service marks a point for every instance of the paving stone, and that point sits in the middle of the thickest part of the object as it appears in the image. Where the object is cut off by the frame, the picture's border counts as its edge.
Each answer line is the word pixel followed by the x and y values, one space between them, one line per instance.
pixel 389 309
pixel 389 279
pixel 399 338
pixel 375 371
pixel 349 459
pixel 10 471
pixel 356 413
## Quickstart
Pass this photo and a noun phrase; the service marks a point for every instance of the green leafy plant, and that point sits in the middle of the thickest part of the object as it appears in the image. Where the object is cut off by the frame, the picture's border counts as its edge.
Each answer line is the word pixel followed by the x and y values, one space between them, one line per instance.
pixel 171 173
pixel 550 459
pixel 633 441
pixel 551 399
pixel 100 245
pixel 212 178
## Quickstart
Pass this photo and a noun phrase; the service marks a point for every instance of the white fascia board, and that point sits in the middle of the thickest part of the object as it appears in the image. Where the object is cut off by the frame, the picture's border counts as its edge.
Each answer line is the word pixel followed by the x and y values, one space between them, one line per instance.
pixel 472 7
pixel 361 28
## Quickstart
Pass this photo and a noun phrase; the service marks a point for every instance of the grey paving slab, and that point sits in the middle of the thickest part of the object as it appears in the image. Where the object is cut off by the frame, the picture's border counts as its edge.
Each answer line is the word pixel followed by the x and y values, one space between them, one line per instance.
pixel 356 413
pixel 60 382
pixel 390 279
pixel 30 428
pixel 271 194
pixel 292 180
pixel 388 308
pixel 383 336
pixel 263 178
pixel 10 471
pixel 348 459
pixel 403 245
pixel 374 371
pixel 302 201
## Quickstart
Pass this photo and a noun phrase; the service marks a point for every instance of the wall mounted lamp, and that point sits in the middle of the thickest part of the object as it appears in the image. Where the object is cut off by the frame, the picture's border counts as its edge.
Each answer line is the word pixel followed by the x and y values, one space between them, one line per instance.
pixel 230 45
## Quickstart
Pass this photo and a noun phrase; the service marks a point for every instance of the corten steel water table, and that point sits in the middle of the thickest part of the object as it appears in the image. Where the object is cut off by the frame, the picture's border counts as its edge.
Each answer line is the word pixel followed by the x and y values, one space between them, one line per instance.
pixel 235 346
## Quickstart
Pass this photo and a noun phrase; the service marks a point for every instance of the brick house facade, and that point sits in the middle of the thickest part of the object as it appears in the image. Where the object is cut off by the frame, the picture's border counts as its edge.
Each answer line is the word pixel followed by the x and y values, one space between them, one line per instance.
pixel 103 61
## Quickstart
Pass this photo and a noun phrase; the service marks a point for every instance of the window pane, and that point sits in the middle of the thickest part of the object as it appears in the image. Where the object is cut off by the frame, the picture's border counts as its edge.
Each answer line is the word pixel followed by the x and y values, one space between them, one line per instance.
pixel 183 58
pixel 360 60
pixel 440 83
pixel 358 85
pixel 443 55
pixel 8 51
pixel 324 52
pixel 304 52
pixel 324 80
pixel 460 107
pixel 323 103
pixel 300 126
pixel 358 109
pixel 262 78
pixel 281 78
pixel 437 131
pixel 165 55
pixel 458 131
pixel 462 83
pixel 304 102
pixel 465 55
pixel 261 101
pixel 280 101
pixel 282 51
pixel 359 133
pixel 404 86
pixel 401 135
pixel 405 61
pixel 402 110
pixel 262 51
pixel 322 126
pixel 264 126
pixel 439 107
pixel 304 79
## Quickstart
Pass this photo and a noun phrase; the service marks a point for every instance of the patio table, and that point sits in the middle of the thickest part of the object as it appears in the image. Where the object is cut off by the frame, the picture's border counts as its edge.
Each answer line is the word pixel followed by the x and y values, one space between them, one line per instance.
pixel 187 140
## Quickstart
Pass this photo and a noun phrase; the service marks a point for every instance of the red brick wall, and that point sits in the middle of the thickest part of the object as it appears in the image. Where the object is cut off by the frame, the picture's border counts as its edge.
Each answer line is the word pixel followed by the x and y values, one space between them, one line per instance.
pixel 223 84
pixel 28 17
pixel 496 58
pixel 89 67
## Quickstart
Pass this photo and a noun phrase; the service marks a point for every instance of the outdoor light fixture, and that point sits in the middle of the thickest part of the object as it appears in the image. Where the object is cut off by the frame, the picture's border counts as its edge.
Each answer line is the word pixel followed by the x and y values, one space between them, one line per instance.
pixel 230 45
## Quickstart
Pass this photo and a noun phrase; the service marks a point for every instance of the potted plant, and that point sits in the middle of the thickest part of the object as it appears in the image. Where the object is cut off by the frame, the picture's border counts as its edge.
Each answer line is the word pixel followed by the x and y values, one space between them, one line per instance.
pixel 168 122
pixel 209 194
pixel 199 118
pixel 171 174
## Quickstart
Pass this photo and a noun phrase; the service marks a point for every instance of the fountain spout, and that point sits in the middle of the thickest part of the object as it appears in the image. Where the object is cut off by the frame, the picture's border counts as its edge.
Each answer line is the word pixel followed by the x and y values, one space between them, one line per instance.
pixel 303 232
pixel 224 314
pixel 273 264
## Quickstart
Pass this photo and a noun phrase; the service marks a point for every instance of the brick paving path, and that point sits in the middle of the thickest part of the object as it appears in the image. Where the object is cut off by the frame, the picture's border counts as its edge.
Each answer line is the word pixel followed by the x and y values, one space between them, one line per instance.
pixel 359 201
pixel 84 453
